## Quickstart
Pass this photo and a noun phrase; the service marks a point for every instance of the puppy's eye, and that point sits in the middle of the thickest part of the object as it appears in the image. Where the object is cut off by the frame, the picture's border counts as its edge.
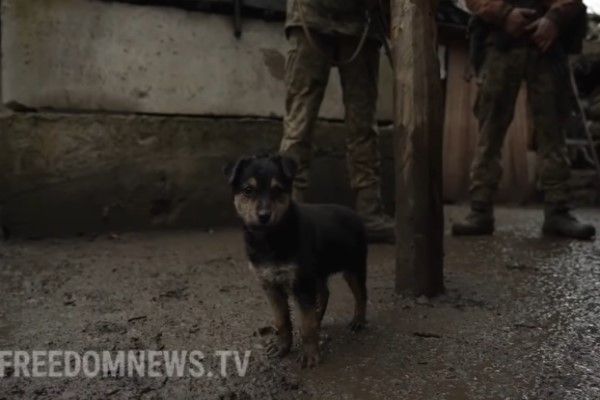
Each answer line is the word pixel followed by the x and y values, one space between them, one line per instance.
pixel 249 191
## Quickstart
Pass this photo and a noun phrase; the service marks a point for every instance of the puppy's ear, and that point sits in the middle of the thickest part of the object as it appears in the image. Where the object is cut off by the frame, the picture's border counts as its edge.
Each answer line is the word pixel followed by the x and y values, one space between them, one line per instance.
pixel 288 166
pixel 233 169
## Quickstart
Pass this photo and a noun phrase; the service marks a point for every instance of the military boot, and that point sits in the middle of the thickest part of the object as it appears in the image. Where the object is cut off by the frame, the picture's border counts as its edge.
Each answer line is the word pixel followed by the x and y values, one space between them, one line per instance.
pixel 558 221
pixel 380 226
pixel 480 221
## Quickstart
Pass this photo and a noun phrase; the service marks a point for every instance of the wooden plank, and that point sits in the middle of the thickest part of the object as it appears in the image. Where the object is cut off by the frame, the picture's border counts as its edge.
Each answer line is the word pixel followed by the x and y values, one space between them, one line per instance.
pixel 418 148
pixel 461 133
pixel 460 129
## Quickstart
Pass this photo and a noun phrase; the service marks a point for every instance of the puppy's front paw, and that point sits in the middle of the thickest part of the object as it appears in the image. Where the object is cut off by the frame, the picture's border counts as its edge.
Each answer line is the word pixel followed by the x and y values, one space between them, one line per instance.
pixel 357 324
pixel 279 347
pixel 309 358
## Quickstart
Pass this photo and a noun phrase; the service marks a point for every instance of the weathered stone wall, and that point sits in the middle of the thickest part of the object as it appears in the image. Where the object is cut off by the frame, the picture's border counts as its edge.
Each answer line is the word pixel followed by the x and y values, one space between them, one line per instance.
pixel 92 55
pixel 64 174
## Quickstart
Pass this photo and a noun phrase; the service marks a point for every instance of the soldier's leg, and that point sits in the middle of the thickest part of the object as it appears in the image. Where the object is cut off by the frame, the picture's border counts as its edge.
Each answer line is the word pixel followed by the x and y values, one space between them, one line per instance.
pixel 500 80
pixel 550 95
pixel 360 80
pixel 306 76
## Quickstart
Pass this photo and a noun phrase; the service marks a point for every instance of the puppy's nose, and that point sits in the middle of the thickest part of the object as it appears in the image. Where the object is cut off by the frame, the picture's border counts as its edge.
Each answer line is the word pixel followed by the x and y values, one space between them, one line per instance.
pixel 264 217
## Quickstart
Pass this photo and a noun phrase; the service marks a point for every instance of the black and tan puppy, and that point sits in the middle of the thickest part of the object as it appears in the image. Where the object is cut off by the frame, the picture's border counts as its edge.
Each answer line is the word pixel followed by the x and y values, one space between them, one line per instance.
pixel 293 249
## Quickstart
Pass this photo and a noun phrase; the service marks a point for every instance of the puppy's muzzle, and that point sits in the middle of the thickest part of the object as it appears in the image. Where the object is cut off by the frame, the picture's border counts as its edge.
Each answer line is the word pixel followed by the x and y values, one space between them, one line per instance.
pixel 264 216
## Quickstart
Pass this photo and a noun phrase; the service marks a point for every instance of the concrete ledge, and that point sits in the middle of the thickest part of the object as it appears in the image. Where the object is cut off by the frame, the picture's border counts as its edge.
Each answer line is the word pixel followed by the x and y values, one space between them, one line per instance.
pixel 91 56
pixel 68 174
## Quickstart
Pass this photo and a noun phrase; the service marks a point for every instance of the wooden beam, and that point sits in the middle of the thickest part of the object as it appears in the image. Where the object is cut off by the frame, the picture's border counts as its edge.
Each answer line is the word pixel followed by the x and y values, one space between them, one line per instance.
pixel 418 148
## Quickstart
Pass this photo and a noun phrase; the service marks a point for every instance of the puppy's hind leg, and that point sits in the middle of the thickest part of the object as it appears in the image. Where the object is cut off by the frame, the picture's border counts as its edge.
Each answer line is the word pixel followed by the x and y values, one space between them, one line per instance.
pixel 322 299
pixel 278 299
pixel 358 285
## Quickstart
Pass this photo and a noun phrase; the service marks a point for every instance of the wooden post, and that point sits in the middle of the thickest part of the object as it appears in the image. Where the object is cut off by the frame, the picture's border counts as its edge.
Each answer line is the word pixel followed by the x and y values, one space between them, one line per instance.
pixel 418 148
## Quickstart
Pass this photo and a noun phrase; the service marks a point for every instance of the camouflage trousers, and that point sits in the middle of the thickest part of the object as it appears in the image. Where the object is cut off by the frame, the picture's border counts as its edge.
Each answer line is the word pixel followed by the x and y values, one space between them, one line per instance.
pixel 549 93
pixel 307 74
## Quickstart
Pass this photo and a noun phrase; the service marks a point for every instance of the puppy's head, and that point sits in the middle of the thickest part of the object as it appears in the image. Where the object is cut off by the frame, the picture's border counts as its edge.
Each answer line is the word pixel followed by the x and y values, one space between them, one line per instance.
pixel 262 188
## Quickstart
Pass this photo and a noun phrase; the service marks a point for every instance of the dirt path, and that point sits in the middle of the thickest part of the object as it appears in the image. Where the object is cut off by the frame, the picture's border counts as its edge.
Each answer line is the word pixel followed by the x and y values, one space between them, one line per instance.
pixel 519 320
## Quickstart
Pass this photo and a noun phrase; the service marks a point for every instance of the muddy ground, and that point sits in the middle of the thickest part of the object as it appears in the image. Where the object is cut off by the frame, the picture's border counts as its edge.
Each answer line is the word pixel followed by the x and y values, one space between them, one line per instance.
pixel 520 319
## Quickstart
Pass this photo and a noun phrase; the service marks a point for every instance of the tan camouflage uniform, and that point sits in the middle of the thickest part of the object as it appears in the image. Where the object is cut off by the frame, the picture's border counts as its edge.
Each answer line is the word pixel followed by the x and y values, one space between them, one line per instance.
pixel 336 27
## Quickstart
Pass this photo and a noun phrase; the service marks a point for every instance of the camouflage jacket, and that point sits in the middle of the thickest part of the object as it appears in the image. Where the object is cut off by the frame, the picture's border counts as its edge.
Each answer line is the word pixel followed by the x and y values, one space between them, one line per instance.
pixel 495 11
pixel 328 16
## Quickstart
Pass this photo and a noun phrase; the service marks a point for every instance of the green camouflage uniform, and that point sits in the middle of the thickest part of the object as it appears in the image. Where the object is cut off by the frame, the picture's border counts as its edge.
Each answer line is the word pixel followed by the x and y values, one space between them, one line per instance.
pixel 548 89
pixel 506 64
pixel 336 27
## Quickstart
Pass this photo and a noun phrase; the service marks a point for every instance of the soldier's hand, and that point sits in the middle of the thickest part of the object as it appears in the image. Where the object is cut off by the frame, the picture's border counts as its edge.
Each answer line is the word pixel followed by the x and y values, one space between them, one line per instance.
pixel 544 33
pixel 518 20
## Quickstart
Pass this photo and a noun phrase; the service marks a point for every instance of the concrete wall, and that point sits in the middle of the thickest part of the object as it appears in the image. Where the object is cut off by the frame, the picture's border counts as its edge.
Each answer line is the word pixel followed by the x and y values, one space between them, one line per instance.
pixel 90 55
pixel 67 174
pixel 97 165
